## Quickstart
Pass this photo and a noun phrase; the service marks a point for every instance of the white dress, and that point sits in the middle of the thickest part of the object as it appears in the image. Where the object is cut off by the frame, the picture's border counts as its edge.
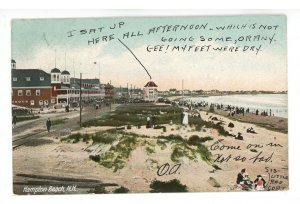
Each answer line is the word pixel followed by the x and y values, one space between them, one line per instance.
pixel 185 119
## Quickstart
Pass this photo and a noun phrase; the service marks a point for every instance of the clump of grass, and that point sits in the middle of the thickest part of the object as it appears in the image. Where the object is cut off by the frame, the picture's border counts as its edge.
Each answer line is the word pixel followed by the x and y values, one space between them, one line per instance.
pixel 95 158
pixel 118 154
pixel 150 150
pixel 104 137
pixel 138 115
pixel 172 138
pixel 25 118
pixel 162 144
pixel 168 186
pixel 200 123
pixel 75 138
pixel 204 153
pixel 58 121
pixel 218 127
pixel 177 154
pixel 195 140
pixel 98 190
pixel 121 189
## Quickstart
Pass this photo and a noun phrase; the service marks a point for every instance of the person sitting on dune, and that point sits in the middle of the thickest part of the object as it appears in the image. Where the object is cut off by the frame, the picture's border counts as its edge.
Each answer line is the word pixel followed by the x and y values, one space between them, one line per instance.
pixel 251 130
pixel 242 179
pixel 239 136
pixel 260 183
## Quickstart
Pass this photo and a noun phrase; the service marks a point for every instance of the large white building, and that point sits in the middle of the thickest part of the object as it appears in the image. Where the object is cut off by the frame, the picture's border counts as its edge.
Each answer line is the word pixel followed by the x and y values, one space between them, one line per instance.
pixel 150 92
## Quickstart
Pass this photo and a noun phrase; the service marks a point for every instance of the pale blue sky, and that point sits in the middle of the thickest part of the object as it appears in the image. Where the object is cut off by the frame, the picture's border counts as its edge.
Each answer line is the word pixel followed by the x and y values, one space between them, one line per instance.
pixel 34 42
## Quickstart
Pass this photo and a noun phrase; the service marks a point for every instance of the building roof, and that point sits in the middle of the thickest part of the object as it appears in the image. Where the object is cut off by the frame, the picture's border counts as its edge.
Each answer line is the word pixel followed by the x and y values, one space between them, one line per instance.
pixel 65 72
pixel 150 84
pixel 35 78
pixel 87 81
pixel 55 70
pixel 13 61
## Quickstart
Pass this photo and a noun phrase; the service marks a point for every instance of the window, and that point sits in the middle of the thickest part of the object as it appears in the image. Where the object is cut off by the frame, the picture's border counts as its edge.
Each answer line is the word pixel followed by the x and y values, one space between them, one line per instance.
pixel 28 92
pixel 42 78
pixel 37 92
pixel 15 79
pixel 20 93
pixel 41 102
pixel 52 100
pixel 32 102
pixel 27 78
pixel 53 77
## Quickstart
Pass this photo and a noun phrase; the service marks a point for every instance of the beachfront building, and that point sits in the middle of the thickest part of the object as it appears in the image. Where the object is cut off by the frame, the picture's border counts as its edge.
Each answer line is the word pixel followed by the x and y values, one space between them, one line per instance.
pixel 109 91
pixel 31 88
pixel 69 93
pixel 150 92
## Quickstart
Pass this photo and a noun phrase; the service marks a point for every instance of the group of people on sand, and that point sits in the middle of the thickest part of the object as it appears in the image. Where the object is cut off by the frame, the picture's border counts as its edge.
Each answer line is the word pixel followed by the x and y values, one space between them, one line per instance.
pixel 232 110
pixel 244 182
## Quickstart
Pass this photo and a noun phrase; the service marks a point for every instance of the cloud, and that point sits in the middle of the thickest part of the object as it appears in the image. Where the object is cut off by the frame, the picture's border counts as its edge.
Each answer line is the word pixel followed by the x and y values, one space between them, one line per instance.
pixel 199 70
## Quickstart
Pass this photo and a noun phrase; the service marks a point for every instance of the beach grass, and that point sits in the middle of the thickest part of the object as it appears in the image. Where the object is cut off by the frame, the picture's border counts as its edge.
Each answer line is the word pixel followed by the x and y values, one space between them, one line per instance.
pixel 167 186
pixel 137 115
pixel 58 121
pixel 25 118
pixel 121 189
pixel 122 143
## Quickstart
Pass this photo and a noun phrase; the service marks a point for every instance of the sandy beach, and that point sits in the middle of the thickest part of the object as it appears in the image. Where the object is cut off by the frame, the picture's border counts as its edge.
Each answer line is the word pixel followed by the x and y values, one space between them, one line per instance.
pixel 264 153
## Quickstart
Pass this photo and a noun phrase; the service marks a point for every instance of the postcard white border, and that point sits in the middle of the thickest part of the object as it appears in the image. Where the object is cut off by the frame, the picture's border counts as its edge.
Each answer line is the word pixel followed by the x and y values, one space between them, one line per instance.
pixel 290 196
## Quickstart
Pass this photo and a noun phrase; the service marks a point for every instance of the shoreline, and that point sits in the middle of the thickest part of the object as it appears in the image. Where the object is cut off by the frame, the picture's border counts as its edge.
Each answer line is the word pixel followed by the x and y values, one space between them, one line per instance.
pixel 274 123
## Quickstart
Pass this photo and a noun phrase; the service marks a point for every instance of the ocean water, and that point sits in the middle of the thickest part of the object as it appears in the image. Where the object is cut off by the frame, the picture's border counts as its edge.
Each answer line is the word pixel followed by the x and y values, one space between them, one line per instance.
pixel 278 103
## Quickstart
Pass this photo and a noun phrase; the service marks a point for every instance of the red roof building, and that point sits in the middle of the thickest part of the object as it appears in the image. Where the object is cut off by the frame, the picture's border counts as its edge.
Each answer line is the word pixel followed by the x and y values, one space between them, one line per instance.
pixel 150 92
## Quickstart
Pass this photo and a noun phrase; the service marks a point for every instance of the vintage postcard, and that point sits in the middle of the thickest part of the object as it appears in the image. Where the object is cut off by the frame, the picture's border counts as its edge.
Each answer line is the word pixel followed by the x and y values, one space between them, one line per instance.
pixel 149 104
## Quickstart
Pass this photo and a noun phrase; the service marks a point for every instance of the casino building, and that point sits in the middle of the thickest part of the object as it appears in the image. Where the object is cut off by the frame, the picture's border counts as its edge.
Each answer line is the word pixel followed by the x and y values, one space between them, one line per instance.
pixel 34 88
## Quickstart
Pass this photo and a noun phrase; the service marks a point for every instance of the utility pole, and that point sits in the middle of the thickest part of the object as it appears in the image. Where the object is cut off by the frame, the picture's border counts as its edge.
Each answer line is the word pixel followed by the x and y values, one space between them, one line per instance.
pixel 80 100
pixel 99 71
pixel 127 91
pixel 182 89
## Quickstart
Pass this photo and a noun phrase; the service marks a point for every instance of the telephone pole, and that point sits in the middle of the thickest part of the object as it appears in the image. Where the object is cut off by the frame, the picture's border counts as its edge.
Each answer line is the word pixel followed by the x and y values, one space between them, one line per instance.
pixel 80 100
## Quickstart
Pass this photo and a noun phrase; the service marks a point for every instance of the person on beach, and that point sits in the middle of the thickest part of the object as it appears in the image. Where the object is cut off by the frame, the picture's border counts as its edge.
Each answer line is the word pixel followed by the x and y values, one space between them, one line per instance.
pixel 240 178
pixel 14 121
pixel 181 117
pixel 185 119
pixel 243 180
pixel 153 121
pixel 148 122
pixel 239 136
pixel 48 124
pixel 260 183
pixel 256 112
